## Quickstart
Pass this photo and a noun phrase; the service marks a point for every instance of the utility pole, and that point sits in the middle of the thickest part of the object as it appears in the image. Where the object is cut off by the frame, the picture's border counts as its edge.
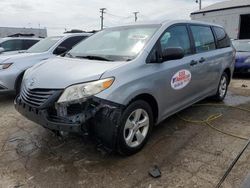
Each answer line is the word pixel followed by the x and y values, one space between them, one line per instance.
pixel 102 11
pixel 136 13
pixel 199 1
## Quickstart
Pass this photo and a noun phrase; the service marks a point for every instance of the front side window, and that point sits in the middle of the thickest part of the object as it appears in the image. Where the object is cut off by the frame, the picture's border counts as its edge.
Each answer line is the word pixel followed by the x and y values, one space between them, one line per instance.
pixel 223 40
pixel 70 42
pixel 12 45
pixel 44 45
pixel 116 44
pixel 174 37
pixel 203 38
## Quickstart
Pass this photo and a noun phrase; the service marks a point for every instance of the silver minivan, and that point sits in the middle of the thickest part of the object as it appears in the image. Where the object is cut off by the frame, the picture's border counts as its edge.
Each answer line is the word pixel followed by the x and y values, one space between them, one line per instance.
pixel 120 82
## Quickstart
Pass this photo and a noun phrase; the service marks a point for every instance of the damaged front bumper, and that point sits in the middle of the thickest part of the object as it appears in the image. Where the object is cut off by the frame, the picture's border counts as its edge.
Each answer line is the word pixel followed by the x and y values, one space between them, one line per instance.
pixel 68 118
pixel 73 117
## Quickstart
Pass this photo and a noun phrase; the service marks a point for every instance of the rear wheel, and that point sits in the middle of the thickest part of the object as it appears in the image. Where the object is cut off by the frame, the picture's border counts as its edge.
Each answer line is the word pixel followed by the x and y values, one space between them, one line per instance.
pixel 222 88
pixel 135 128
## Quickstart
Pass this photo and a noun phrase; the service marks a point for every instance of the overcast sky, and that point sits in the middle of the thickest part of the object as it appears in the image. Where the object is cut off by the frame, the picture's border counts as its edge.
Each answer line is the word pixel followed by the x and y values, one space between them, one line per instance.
pixel 58 15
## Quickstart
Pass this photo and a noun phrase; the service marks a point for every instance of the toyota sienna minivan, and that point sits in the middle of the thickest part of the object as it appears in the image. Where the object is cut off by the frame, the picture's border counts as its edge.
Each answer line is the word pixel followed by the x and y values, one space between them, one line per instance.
pixel 120 82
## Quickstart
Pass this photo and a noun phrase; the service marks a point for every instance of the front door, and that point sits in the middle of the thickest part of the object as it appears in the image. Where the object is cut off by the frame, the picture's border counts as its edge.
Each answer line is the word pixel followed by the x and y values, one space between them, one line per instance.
pixel 177 79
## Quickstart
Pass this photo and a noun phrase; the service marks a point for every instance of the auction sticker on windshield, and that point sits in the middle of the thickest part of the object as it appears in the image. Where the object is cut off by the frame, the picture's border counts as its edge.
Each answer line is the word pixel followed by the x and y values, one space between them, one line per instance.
pixel 181 79
pixel 138 37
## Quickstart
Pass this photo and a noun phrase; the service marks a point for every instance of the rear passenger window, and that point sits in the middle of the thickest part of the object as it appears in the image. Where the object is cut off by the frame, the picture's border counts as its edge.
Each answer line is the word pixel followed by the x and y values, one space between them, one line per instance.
pixel 176 36
pixel 223 40
pixel 203 38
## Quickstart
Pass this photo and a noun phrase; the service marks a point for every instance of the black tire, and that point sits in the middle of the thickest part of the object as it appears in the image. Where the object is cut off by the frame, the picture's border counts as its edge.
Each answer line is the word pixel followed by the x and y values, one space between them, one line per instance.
pixel 122 147
pixel 219 95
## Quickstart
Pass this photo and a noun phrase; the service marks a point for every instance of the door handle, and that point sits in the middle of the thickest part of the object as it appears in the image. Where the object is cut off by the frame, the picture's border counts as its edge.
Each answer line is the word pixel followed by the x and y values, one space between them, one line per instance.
pixel 202 60
pixel 193 62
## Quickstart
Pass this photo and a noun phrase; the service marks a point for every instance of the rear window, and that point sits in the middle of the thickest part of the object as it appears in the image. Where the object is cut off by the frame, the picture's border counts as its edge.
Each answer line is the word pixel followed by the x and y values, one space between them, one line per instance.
pixel 223 40
pixel 203 38
pixel 242 45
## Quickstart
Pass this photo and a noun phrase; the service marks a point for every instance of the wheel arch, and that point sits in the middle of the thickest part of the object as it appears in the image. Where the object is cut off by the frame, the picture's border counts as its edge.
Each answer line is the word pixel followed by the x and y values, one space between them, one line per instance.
pixel 229 74
pixel 150 99
pixel 20 76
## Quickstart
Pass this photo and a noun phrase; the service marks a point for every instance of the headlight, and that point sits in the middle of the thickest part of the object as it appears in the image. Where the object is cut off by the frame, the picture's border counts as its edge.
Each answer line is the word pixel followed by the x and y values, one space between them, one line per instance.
pixel 247 60
pixel 80 91
pixel 5 65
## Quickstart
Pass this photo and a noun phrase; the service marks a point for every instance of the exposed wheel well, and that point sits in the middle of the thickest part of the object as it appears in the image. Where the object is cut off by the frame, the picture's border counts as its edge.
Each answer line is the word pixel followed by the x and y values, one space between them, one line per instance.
pixel 20 76
pixel 228 72
pixel 151 101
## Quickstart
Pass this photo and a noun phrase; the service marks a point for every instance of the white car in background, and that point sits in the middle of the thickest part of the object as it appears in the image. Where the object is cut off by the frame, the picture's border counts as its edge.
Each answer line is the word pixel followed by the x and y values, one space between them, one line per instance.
pixel 12 67
pixel 14 45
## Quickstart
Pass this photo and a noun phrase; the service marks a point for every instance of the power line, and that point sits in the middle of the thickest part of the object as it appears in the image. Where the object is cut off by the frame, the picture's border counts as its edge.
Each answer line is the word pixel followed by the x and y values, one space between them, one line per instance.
pixel 115 15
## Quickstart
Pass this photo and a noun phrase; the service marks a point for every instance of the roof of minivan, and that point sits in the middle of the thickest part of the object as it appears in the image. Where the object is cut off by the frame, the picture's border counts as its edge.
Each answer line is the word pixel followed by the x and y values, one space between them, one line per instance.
pixel 163 22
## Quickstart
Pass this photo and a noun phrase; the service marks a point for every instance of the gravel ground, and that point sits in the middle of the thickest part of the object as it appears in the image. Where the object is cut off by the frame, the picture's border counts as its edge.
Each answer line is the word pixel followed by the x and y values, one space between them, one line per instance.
pixel 188 154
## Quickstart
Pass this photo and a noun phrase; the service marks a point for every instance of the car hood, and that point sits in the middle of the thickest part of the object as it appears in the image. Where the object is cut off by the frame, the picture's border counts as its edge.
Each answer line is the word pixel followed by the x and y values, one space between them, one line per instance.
pixel 61 72
pixel 7 58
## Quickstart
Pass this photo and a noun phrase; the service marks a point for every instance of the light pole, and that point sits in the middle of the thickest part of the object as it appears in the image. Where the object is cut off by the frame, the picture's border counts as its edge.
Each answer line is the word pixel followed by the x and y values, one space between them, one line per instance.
pixel 199 1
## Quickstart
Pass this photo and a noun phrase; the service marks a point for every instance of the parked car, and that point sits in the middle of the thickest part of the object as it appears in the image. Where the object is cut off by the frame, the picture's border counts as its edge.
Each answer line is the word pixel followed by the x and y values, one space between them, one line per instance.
pixel 14 45
pixel 242 62
pixel 121 81
pixel 12 67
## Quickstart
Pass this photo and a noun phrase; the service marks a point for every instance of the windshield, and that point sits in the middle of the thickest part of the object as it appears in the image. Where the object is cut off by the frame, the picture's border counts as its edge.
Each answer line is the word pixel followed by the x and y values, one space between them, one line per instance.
pixel 242 46
pixel 115 44
pixel 44 45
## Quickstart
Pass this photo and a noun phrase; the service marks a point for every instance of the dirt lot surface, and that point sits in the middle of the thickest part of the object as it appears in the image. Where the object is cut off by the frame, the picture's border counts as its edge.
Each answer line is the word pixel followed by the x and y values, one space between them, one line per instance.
pixel 188 154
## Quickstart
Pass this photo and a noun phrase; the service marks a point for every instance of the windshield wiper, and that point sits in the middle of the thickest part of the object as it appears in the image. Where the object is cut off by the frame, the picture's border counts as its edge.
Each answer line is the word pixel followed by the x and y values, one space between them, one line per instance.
pixel 93 57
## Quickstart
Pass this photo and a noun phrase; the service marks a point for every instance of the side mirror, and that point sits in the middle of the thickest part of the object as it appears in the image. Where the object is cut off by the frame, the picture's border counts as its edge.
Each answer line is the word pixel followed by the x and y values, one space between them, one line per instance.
pixel 60 50
pixel 172 54
pixel 2 49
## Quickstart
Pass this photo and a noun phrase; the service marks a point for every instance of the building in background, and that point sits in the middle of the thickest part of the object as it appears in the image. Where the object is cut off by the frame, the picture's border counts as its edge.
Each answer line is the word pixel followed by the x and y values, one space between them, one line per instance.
pixel 13 31
pixel 233 15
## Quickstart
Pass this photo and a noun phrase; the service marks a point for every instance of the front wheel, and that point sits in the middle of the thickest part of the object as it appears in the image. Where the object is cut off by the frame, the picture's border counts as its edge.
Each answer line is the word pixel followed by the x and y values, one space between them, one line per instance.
pixel 135 128
pixel 222 88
